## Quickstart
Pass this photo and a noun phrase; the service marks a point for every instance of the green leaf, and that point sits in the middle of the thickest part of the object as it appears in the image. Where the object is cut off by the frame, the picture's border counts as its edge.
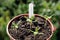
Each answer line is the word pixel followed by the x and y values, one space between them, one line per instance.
pixel 35 33
pixel 14 25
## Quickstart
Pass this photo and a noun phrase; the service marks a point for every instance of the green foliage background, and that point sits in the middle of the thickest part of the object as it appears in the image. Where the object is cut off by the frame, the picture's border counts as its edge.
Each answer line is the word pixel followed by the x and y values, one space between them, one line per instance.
pixel 11 8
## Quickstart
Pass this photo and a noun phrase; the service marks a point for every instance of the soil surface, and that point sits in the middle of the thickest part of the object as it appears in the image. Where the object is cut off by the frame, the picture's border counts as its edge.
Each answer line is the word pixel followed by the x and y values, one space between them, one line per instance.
pixel 22 32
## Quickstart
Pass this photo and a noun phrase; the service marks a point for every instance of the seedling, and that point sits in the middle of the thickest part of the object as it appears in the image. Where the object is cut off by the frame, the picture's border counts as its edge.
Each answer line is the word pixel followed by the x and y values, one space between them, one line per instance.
pixel 15 25
pixel 30 19
pixel 48 17
pixel 36 31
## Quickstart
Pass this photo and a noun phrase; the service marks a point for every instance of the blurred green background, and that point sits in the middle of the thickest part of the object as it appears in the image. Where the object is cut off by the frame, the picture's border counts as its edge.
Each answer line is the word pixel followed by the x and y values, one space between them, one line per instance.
pixel 11 8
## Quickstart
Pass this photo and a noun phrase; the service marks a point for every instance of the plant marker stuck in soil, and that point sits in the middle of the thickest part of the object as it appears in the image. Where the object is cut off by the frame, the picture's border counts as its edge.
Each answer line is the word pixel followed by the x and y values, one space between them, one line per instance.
pixel 31 5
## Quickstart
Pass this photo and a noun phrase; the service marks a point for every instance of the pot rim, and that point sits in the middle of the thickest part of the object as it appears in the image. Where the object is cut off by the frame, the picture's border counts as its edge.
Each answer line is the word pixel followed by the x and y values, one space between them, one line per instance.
pixel 52 28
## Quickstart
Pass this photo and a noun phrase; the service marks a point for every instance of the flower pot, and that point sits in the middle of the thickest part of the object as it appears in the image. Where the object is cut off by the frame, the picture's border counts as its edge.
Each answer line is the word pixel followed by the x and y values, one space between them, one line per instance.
pixel 15 18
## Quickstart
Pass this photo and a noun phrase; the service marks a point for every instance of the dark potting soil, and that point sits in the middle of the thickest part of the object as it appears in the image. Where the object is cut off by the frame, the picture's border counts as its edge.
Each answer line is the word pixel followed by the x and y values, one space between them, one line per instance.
pixel 23 31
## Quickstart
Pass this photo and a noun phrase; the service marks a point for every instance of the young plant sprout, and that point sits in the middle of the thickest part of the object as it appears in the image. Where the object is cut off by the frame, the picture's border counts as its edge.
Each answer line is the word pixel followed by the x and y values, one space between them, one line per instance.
pixel 15 25
pixel 48 17
pixel 30 19
pixel 36 31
